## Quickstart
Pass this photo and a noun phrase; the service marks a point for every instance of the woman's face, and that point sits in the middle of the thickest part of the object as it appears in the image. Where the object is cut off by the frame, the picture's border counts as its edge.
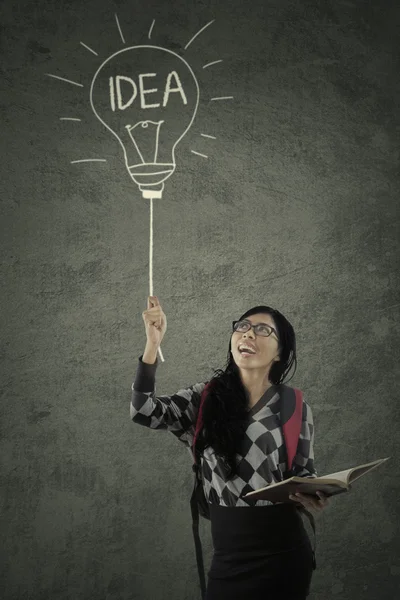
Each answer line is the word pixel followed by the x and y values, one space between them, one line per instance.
pixel 266 348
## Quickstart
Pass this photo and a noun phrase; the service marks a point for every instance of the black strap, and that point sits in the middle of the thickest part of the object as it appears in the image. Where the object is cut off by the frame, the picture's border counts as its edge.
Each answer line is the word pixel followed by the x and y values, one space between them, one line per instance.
pixel 197 542
pixel 311 518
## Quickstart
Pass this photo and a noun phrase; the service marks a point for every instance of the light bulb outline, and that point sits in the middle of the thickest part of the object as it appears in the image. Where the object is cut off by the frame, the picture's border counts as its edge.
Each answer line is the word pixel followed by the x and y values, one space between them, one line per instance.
pixel 147 46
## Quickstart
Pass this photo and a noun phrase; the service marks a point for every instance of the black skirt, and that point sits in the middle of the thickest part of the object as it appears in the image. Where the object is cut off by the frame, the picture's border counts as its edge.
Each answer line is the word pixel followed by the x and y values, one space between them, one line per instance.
pixel 259 552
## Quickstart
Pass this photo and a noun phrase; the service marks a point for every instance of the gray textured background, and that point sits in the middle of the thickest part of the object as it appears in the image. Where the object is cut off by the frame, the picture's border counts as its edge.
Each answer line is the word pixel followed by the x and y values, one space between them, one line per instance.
pixel 296 207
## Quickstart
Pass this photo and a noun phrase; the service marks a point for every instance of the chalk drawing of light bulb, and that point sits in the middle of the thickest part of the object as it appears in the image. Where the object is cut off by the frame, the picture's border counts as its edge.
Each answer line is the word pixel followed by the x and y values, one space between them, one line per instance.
pixel 147 97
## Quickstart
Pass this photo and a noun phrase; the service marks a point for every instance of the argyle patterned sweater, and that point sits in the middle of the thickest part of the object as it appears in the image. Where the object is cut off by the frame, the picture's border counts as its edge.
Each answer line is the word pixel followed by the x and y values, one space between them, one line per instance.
pixel 262 459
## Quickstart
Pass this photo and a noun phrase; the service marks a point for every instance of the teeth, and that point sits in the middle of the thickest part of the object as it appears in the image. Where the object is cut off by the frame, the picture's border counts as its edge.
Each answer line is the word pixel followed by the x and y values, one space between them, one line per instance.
pixel 246 348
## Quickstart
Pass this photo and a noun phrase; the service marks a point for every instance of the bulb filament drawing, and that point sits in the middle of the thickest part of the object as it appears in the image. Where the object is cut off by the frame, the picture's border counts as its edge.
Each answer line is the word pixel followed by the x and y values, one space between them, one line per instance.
pixel 148 174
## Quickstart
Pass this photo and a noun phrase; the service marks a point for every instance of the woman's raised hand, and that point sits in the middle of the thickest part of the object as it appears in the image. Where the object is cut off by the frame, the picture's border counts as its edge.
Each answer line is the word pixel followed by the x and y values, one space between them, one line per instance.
pixel 155 322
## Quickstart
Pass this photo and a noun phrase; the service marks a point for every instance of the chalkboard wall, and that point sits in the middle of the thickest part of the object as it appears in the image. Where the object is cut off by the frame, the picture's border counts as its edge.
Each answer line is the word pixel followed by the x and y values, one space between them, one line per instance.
pixel 285 192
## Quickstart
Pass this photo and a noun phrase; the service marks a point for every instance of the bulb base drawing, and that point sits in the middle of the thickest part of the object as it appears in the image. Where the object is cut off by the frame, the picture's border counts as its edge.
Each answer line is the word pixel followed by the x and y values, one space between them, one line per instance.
pixel 154 191
pixel 150 177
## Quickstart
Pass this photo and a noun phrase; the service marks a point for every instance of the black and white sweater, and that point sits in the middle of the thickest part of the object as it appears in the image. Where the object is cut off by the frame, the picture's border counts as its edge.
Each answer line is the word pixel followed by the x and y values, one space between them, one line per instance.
pixel 263 455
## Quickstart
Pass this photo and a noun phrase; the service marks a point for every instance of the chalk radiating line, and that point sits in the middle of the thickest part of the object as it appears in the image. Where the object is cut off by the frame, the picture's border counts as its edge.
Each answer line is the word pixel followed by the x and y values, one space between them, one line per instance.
pixel 63 79
pixel 212 63
pixel 198 154
pixel 223 98
pixel 120 32
pixel 69 119
pixel 89 160
pixel 90 49
pixel 151 28
pixel 208 136
pixel 198 33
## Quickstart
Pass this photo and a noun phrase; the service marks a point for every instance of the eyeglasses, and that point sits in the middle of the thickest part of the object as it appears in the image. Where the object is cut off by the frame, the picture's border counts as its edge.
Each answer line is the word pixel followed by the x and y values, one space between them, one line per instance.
pixel 259 329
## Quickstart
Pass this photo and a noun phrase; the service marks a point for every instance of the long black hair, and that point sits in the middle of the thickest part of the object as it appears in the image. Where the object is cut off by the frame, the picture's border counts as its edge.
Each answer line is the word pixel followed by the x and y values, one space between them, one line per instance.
pixel 225 410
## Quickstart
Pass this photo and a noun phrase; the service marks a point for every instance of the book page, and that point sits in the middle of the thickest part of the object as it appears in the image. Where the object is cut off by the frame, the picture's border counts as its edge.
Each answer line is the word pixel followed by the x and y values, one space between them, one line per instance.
pixel 350 475
pixel 340 475
pixel 362 469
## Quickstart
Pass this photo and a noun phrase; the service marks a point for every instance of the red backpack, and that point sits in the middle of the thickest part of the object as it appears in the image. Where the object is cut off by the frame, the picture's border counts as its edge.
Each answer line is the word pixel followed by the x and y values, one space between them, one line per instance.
pixel 291 416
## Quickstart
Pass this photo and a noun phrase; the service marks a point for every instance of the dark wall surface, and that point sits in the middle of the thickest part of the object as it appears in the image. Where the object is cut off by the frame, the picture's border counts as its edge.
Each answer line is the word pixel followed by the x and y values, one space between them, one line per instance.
pixel 296 206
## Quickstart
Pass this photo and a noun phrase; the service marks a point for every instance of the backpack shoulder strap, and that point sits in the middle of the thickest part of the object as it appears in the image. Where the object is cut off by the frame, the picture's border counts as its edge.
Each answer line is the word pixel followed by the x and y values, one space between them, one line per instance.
pixel 291 416
pixel 199 421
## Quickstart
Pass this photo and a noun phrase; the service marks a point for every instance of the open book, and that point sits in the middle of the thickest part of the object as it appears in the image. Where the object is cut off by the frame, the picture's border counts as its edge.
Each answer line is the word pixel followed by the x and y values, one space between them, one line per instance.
pixel 330 485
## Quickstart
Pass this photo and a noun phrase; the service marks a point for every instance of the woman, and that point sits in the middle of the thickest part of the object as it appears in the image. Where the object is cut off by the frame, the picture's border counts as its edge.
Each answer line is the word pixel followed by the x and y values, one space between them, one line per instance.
pixel 263 550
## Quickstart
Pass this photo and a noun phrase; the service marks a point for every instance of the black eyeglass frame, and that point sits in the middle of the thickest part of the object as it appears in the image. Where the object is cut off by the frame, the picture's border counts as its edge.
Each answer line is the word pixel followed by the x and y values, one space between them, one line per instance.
pixel 251 326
